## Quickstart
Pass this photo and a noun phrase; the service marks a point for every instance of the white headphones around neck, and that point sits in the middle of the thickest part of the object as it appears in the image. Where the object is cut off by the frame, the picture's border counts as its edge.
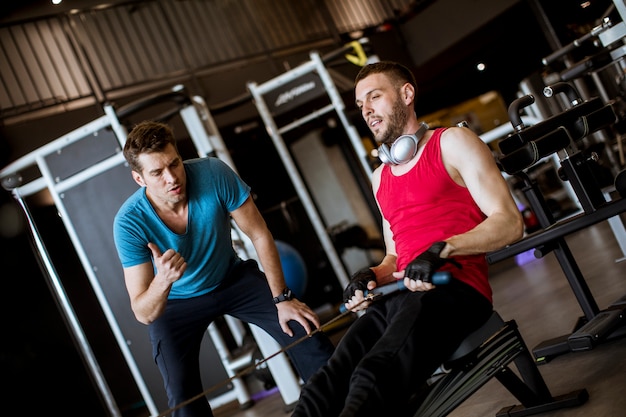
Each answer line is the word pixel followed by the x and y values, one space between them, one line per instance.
pixel 402 149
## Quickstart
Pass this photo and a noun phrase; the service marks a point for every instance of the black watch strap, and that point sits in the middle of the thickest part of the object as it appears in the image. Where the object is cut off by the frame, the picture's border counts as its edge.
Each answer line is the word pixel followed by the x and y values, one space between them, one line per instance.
pixel 286 295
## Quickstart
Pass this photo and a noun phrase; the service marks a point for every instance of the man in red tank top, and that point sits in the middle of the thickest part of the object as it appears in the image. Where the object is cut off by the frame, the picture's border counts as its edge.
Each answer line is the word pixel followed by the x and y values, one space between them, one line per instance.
pixel 444 205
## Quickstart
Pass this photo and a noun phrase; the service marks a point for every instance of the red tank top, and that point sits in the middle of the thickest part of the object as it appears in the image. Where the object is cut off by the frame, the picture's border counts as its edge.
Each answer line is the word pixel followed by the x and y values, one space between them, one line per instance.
pixel 424 206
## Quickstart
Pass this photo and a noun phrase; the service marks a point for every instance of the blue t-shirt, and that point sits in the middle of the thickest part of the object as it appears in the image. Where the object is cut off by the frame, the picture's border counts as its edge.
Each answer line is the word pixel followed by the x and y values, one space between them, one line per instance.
pixel 213 190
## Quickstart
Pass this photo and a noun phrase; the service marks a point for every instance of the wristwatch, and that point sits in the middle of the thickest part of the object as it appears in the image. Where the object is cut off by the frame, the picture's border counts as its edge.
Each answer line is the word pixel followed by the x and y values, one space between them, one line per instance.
pixel 286 295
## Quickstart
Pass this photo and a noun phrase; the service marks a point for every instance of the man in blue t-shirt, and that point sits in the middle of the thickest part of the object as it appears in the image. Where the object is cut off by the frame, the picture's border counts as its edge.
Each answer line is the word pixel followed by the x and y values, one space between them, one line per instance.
pixel 173 237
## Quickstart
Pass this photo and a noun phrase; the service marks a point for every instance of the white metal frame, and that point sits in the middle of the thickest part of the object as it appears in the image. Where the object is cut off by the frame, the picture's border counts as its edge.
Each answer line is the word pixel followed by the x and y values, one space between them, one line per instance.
pixel 56 188
pixel 316 64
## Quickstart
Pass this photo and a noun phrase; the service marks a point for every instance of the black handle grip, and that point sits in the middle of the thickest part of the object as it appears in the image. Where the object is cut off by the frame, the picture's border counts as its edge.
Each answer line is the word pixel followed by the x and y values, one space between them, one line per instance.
pixel 438 278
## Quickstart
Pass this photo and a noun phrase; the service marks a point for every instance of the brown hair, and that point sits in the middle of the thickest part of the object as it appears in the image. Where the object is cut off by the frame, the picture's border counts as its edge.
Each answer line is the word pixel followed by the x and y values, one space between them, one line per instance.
pixel 146 137
pixel 398 73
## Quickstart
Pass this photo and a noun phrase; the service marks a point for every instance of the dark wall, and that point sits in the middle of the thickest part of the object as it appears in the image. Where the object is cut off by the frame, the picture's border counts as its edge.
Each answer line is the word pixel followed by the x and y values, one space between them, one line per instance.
pixel 40 361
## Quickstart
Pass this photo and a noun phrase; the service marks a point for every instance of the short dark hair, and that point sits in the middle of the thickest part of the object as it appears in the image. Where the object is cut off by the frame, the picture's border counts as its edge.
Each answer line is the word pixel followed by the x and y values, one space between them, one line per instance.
pixel 398 73
pixel 147 136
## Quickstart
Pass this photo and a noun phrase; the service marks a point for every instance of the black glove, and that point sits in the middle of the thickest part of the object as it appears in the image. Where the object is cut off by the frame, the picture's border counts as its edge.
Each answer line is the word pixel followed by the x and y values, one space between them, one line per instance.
pixel 358 282
pixel 426 264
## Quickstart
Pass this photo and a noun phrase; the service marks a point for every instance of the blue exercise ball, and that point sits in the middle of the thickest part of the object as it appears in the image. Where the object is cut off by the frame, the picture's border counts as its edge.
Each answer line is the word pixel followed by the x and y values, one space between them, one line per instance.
pixel 294 268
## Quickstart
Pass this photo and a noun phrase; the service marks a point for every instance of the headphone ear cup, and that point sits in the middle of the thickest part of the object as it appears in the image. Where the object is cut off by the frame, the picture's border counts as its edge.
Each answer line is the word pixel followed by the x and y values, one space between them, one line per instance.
pixel 403 149
pixel 384 155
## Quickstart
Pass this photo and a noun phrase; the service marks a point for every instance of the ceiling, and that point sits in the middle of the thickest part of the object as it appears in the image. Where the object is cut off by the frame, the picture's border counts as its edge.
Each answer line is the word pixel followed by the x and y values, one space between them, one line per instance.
pixel 449 75
pixel 20 10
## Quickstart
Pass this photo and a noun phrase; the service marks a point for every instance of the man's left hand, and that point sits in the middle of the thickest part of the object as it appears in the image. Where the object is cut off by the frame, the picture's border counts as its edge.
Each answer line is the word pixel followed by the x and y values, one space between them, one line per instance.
pixel 298 311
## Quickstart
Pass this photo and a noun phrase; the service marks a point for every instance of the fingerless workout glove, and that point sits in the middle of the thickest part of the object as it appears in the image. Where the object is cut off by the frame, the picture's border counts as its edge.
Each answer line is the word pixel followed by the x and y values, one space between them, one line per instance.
pixel 427 263
pixel 358 282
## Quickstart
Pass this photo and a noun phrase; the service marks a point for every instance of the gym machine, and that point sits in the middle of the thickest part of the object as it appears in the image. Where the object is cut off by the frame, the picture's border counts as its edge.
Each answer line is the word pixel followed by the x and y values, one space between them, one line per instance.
pixel 568 122
pixel 564 132
pixel 85 175
pixel 291 90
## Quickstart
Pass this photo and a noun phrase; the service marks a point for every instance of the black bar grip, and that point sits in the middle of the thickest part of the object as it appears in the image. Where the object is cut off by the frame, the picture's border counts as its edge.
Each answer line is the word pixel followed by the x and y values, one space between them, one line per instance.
pixel 438 278
pixel 566 88
pixel 559 53
pixel 514 110
pixel 577 42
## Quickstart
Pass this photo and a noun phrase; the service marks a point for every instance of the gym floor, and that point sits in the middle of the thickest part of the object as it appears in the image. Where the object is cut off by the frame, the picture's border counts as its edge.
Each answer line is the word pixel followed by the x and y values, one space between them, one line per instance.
pixel 538 297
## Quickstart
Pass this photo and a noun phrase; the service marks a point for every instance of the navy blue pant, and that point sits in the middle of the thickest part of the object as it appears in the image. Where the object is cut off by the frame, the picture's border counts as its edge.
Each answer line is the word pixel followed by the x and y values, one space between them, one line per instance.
pixel 389 352
pixel 177 334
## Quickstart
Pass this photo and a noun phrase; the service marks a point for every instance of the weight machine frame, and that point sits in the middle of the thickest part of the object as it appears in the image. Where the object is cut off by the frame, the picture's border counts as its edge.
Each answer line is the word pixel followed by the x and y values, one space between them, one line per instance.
pixel 308 73
pixel 522 149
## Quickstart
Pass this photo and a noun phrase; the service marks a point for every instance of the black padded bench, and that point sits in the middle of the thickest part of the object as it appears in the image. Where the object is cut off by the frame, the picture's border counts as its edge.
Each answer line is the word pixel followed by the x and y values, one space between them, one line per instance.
pixel 485 354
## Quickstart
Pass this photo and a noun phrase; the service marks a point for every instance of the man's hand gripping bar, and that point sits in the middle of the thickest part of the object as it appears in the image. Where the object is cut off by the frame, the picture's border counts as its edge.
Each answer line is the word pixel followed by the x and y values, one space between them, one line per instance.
pixel 438 278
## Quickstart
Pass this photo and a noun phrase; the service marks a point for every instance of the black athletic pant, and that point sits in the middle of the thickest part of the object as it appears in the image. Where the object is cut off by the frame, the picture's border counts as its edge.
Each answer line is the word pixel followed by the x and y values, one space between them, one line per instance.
pixel 177 335
pixel 389 352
